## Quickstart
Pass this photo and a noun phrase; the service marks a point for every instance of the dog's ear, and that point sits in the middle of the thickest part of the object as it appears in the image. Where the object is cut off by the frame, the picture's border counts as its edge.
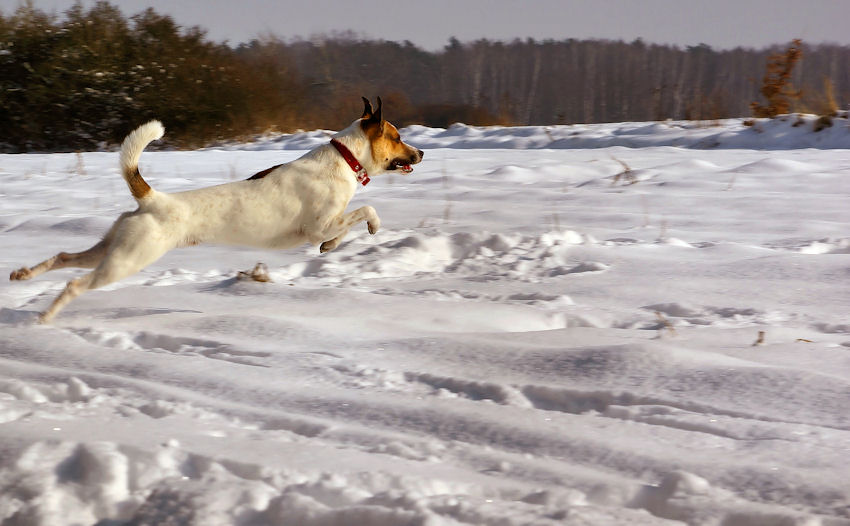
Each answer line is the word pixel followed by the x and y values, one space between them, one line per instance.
pixel 378 114
pixel 367 108
pixel 372 121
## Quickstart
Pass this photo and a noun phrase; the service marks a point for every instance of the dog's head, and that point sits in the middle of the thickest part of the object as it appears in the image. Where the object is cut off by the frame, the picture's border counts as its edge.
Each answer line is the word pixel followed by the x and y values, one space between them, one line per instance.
pixel 389 152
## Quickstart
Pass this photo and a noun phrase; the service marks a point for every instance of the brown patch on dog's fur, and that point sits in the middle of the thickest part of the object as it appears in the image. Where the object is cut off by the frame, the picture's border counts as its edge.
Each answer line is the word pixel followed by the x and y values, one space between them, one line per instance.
pixel 138 186
pixel 263 173
pixel 387 144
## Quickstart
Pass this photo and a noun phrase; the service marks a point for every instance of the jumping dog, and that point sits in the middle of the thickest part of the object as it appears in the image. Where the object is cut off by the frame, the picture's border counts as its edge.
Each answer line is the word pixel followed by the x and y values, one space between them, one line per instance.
pixel 284 206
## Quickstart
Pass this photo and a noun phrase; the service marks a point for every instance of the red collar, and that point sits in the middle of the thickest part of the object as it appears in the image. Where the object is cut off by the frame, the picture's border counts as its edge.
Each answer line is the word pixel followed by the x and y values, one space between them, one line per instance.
pixel 362 176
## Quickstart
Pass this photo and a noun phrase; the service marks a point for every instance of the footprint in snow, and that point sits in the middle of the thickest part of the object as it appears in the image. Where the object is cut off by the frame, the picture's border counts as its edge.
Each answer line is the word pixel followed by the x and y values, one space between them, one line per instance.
pixel 581 268
pixel 151 342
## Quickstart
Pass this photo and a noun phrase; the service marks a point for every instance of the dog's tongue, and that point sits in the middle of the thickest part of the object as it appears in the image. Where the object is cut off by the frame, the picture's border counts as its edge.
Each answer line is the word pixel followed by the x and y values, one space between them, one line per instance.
pixel 406 168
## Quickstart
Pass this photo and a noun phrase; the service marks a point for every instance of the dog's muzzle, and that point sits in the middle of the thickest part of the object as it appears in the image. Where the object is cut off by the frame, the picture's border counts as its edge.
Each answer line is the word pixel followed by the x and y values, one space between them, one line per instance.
pixel 404 165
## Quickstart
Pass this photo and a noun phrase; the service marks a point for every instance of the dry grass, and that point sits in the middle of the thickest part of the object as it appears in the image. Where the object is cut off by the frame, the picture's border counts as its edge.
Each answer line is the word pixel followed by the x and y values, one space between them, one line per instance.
pixel 776 84
pixel 626 175
pixel 665 325
pixel 821 102
pixel 823 122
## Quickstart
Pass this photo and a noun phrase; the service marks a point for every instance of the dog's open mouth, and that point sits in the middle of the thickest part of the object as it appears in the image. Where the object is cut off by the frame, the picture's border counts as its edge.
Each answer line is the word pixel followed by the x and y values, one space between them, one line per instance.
pixel 401 165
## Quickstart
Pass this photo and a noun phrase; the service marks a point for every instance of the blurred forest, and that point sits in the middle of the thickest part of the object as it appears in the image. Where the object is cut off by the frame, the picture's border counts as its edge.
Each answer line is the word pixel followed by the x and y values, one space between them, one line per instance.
pixel 84 79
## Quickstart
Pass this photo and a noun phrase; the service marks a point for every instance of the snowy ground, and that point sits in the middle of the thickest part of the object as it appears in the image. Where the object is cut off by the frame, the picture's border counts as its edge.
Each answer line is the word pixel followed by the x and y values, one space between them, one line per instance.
pixel 529 340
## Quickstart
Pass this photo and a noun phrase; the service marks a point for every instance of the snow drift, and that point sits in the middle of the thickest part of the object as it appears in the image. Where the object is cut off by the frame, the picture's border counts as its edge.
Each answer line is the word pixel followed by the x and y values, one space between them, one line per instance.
pixel 533 338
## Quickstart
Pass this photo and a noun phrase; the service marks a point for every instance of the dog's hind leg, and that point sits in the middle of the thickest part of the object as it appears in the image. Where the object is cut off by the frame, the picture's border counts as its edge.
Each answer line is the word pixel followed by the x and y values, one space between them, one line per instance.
pixel 125 256
pixel 110 270
pixel 87 259
pixel 90 258
pixel 74 288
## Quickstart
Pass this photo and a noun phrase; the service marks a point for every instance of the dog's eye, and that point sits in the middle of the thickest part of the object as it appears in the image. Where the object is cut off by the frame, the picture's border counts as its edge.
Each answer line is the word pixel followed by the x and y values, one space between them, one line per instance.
pixel 397 140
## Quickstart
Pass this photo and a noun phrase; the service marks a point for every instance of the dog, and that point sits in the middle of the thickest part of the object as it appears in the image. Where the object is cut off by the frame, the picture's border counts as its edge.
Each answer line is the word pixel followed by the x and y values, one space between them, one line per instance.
pixel 287 205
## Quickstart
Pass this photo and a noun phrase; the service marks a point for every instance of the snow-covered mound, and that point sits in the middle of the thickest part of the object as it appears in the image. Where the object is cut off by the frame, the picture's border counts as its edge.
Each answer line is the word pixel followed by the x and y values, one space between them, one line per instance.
pixel 581 325
pixel 782 133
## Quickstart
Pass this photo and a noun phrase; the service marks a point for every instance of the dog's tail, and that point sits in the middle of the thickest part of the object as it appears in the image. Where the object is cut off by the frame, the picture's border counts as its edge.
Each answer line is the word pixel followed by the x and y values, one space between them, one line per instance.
pixel 131 150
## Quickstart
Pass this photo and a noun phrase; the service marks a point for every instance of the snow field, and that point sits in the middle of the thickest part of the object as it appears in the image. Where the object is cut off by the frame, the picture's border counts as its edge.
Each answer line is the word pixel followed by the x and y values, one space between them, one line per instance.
pixel 533 338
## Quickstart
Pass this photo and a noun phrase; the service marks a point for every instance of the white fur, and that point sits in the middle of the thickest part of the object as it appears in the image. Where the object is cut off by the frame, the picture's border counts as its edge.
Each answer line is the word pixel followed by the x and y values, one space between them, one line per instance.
pixel 134 144
pixel 300 202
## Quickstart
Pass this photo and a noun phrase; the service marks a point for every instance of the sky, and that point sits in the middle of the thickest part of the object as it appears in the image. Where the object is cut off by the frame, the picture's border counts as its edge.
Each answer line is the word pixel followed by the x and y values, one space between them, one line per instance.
pixel 430 23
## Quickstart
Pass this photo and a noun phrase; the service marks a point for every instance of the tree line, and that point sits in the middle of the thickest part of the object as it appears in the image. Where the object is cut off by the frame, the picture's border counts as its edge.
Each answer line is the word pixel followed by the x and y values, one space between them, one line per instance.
pixel 84 79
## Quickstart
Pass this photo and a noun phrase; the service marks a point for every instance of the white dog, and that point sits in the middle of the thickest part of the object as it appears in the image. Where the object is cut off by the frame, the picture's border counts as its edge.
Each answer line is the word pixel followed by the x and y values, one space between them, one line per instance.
pixel 282 207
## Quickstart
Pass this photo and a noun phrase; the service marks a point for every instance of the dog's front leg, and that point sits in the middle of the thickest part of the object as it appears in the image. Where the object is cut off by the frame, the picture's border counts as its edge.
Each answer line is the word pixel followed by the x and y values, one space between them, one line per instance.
pixel 340 226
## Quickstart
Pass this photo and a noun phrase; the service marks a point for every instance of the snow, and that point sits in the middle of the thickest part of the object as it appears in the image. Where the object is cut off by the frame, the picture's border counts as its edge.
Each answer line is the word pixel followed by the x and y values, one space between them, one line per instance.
pixel 784 132
pixel 530 339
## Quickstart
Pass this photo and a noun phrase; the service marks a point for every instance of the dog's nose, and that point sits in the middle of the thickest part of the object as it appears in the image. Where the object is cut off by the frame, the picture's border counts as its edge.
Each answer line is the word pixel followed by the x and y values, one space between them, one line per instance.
pixel 421 153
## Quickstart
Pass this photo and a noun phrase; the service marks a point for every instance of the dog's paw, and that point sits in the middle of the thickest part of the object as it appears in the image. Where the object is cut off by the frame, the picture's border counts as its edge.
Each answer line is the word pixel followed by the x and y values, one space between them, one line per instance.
pixel 20 274
pixel 373 226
